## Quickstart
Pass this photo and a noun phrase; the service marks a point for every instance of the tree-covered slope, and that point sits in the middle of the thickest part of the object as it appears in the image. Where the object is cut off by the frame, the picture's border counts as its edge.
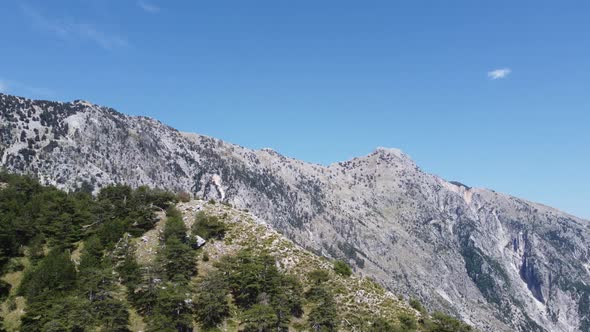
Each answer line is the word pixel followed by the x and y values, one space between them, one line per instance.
pixel 140 260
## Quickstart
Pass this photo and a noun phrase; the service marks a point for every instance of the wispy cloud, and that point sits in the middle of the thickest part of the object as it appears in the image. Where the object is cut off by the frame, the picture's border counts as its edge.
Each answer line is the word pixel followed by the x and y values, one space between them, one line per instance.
pixel 3 86
pixel 148 7
pixel 499 73
pixel 72 30
pixel 103 39
pixel 41 22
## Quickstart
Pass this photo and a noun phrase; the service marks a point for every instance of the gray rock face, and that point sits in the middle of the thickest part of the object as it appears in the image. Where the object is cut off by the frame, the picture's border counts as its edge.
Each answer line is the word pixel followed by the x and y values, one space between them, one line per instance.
pixel 496 261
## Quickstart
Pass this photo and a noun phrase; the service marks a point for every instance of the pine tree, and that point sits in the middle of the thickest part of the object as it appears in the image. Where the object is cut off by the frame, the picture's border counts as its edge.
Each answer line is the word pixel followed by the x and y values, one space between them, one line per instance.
pixel 174 227
pixel 323 316
pixel 260 318
pixel 178 260
pixel 55 273
pixel 211 304
pixel 208 227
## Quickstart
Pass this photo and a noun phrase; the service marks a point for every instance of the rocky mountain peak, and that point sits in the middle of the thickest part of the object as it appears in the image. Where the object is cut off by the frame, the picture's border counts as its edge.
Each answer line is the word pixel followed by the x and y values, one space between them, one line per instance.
pixel 83 103
pixel 391 151
pixel 496 261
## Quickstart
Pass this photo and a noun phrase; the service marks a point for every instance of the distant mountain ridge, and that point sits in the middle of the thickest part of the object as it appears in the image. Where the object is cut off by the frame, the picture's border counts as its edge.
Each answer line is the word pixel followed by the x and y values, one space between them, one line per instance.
pixel 496 261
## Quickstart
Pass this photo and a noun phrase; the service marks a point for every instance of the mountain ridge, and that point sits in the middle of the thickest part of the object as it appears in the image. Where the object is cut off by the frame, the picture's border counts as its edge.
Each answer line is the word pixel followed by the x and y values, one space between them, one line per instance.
pixel 494 260
pixel 393 150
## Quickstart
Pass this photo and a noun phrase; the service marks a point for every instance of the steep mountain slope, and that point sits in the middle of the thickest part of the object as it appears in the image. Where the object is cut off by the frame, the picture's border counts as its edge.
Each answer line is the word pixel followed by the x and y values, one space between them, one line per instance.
pixel 498 262
pixel 135 260
pixel 359 300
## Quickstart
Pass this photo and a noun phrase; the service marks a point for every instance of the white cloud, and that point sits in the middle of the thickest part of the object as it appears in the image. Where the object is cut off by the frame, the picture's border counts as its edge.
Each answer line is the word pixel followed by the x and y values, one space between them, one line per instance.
pixel 3 86
pixel 499 73
pixel 68 30
pixel 148 7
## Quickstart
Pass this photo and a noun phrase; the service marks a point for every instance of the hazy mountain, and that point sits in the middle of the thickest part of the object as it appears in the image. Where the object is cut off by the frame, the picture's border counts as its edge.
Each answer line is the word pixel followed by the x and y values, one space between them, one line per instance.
pixel 496 261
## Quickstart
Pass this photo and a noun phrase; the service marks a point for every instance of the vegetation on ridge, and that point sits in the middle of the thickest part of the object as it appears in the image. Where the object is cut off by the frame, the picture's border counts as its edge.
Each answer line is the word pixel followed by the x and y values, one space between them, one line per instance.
pixel 117 262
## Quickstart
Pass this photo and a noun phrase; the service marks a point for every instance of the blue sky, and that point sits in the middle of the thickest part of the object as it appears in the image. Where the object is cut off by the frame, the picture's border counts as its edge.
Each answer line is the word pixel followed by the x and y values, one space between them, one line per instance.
pixel 493 94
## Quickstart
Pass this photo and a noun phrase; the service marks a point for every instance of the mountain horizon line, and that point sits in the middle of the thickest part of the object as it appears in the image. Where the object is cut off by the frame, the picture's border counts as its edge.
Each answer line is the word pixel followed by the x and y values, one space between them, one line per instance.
pixel 373 151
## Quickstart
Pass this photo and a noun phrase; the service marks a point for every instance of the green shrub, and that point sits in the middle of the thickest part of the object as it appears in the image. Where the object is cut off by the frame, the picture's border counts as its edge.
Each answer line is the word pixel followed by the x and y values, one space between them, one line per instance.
pixel 381 325
pixel 208 227
pixel 407 321
pixel 157 197
pixel 441 322
pixel 317 293
pixel 342 268
pixel 260 318
pixel 13 265
pixel 318 276
pixel 415 303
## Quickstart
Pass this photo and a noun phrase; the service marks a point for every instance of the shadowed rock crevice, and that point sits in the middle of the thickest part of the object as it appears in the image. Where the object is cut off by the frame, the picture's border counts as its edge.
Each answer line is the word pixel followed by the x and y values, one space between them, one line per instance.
pixel 529 274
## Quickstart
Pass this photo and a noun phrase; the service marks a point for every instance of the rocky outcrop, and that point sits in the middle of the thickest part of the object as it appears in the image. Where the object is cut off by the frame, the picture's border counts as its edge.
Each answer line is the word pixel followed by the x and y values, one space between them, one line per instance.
pixel 496 261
